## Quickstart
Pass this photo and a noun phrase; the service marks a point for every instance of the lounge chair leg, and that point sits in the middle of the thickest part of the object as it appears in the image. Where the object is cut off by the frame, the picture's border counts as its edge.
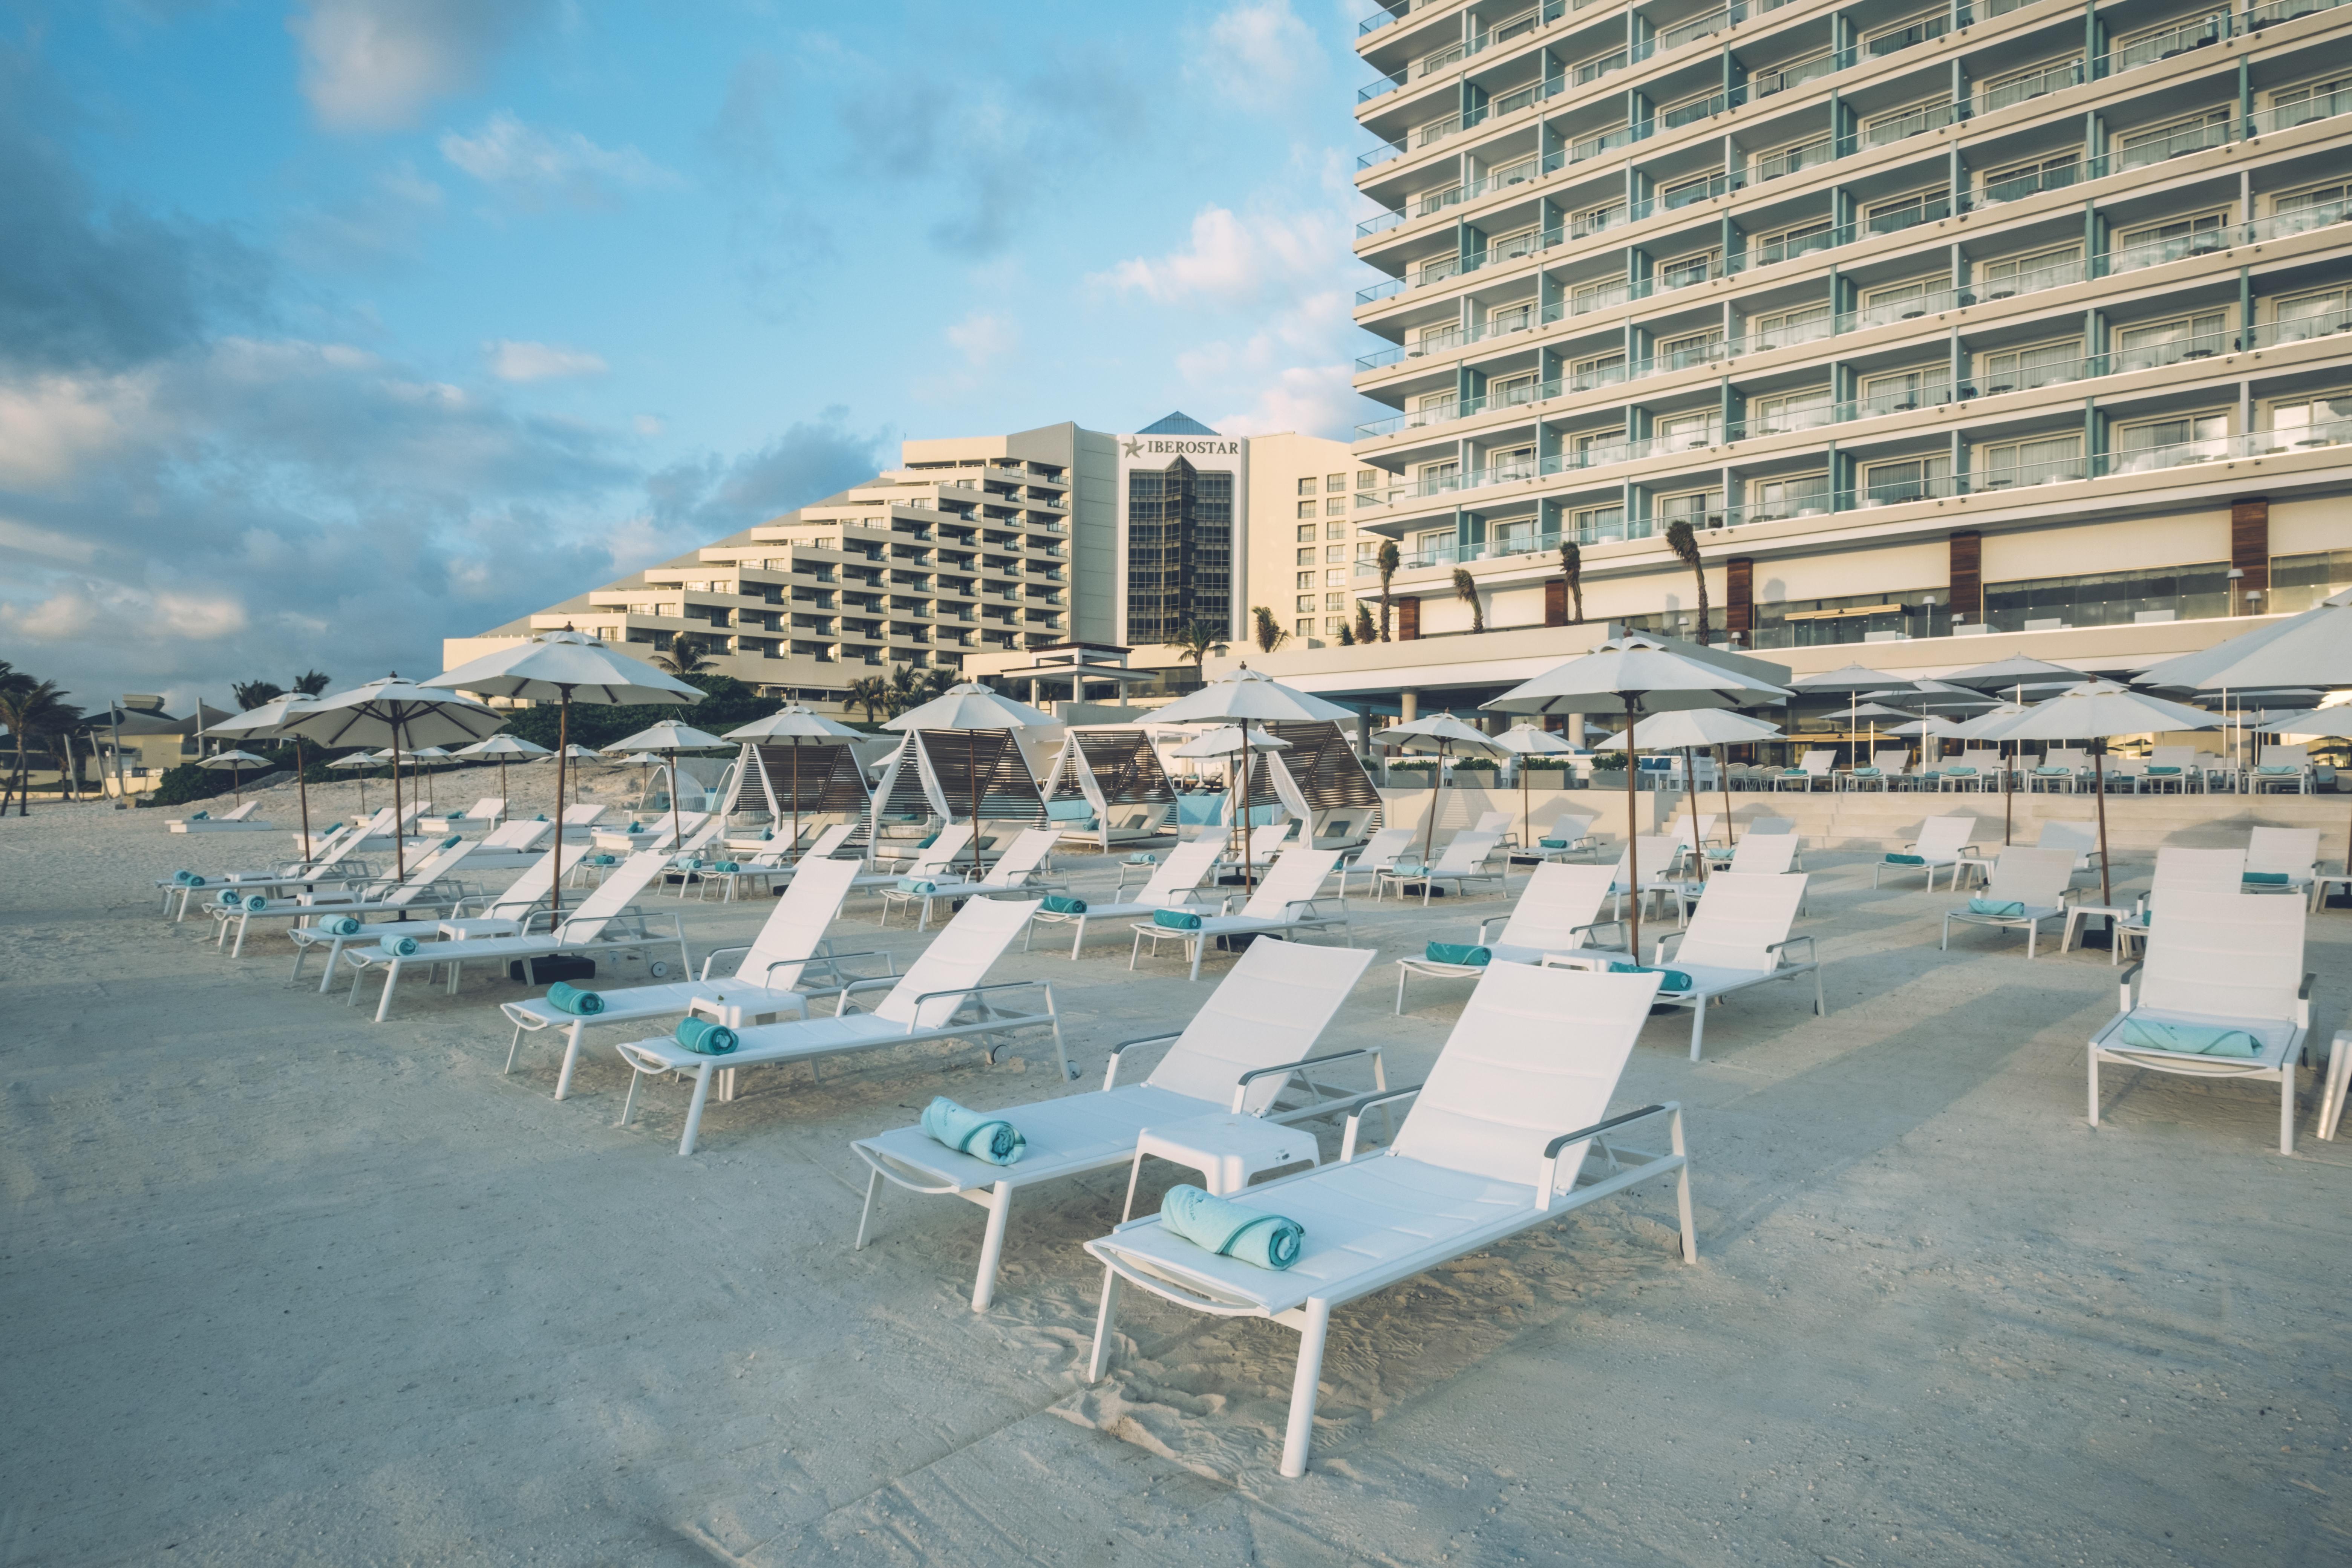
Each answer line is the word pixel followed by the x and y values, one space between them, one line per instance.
pixel 1132 953
pixel 390 978
pixel 1098 1363
pixel 1199 946
pixel 1402 972
pixel 991 1247
pixel 1682 1193
pixel 1699 1027
pixel 570 1054
pixel 2094 1086
pixel 2286 1108
pixel 1303 1386
pixel 512 1046
pixel 694 1110
pixel 872 1191
pixel 1821 1003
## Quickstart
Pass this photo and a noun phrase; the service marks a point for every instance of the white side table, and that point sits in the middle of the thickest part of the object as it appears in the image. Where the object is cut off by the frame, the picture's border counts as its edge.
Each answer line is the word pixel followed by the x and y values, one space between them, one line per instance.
pixel 2077 913
pixel 2327 885
pixel 1227 1148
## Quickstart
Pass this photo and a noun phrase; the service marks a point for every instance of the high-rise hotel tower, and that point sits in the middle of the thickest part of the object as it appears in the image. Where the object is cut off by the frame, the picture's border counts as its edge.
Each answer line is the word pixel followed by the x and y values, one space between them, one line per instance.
pixel 1927 320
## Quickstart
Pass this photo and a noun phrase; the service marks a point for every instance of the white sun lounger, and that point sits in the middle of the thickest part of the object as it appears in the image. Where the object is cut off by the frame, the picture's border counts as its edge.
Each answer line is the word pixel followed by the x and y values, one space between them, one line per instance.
pixel 428 887
pixel 930 860
pixel 503 914
pixel 2232 963
pixel 240 820
pixel 1758 855
pixel 1512 1118
pixel 2184 880
pixel 1738 938
pixel 1264 844
pixel 602 925
pixel 1570 834
pixel 942 996
pixel 1943 842
pixel 1463 862
pixel 1286 903
pixel 2289 852
pixel 1557 913
pixel 1174 882
pixel 328 867
pixel 768 981
pixel 1016 869
pixel 1256 1034
pixel 666 836
pixel 2041 880
pixel 490 811
pixel 1380 852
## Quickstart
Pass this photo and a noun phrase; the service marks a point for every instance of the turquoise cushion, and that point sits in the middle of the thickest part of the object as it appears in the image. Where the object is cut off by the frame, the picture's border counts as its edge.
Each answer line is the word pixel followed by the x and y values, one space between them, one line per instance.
pixel 1960 772
pixel 2006 908
pixel 1056 904
pixel 1176 920
pixel 1906 859
pixel 1068 810
pixel 2195 1039
pixel 1467 955
pixel 2162 772
pixel 1868 773
pixel 2267 878
pixel 1552 843
pixel 199 816
pixel 1143 857
pixel 2274 771
pixel 705 1039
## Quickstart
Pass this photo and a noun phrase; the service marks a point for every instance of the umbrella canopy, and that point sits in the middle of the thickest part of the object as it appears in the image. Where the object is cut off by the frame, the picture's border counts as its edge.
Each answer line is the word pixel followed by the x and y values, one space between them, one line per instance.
pixel 431 754
pixel 795 722
pixel 577 752
pixel 969 706
pixel 2314 648
pixel 642 759
pixel 1441 733
pixel 1930 725
pixel 356 760
pixel 232 760
pixel 1527 740
pixel 1226 738
pixel 1693 727
pixel 1852 678
pixel 669 735
pixel 504 746
pixel 267 723
pixel 1927 693
pixel 1247 695
pixel 2330 723
pixel 400 713
pixel 2003 674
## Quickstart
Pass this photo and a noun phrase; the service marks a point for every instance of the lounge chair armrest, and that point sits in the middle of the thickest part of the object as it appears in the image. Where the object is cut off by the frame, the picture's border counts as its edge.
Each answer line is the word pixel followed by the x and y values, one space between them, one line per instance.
pixel 1598 925
pixel 713 954
pixel 1810 955
pixel 1658 953
pixel 1110 1074
pixel 1354 1110
pixel 1046 985
pixel 1241 1084
pixel 2302 1002
pixel 1547 1171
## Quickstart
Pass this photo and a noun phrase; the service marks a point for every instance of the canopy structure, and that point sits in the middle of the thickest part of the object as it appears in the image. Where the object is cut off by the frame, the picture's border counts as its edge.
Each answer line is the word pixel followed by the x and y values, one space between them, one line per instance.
pixel 810 778
pixel 669 737
pixel 1255 701
pixel 1110 767
pixel 958 774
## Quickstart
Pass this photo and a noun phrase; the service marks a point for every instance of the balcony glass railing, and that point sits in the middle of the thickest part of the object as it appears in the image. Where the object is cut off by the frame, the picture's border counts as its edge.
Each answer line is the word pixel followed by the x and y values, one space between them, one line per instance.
pixel 2050 77
pixel 2178 40
pixel 1701 27
pixel 1765 84
pixel 2216 132
pixel 1895 400
pixel 1789 160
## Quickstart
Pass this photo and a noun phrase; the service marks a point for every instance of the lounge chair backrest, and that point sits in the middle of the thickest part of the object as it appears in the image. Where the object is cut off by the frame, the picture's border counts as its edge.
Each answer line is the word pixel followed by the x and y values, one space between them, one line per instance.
pixel 490 808
pixel 2064 757
pixel 1384 846
pixel 2077 837
pixel 2184 877
pixel 1941 837
pixel 2237 956
pixel 798 923
pixel 2034 877
pixel 1495 822
pixel 1891 761
pixel 612 895
pixel 1767 826
pixel 2272 757
pixel 427 871
pixel 1179 873
pixel 1557 900
pixel 1266 842
pixel 2293 851
pixel 1684 834
pixel 1268 1009
pixel 1818 763
pixel 1294 877
pixel 700 835
pixel 1536 1053
pixel 1655 854
pixel 1571 828
pixel 952 841
pixel 341 848
pixel 242 812
pixel 2172 756
pixel 831 839
pixel 536 882
pixel 1983 762
pixel 584 815
pixel 1028 852
pixel 957 959
pixel 1739 918
pixel 1764 854
pixel 1466 852
pixel 512 834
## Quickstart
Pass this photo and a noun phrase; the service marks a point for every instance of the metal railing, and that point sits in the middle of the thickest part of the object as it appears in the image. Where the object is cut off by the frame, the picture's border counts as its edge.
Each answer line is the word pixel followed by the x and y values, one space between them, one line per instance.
pixel 1789 160
pixel 2050 77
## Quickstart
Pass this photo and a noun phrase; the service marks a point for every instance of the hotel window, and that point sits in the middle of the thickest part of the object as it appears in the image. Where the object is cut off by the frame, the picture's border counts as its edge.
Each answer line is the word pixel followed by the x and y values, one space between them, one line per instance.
pixel 1798 155
pixel 1306 626
pixel 1794 495
pixel 1514 463
pixel 2017 85
pixel 2152 245
pixel 1307 508
pixel 1697 266
pixel 2152 444
pixel 1517 536
pixel 1333 624
pixel 1307 556
pixel 1334 530
pixel 1306 533
pixel 1366 550
pixel 1336 506
pixel 2301 582
pixel 1305 602
pixel 1515 318
pixel 2312 315
pixel 1306 580
pixel 1902 35
pixel 2013 275
pixel 1335 552
pixel 1689 349
pixel 2050 172
pixel 2155 143
pixel 2041 460
pixel 2035 365
pixel 1602 370
pixel 2183 338
pixel 1791 242
pixel 1682 193
pixel 1700 509
pixel 1909 120
pixel 1508 391
pixel 1592 220
pixel 1511 247
pixel 1306 486
pixel 1801 324
pixel 2110 598
pixel 1433 408
pixel 1683 432
pixel 1431 548
pixel 2310 101
pixel 1586 297
pixel 1900 391
pixel 1593 446
pixel 1335 601
pixel 1901 301
pixel 2325 204
pixel 1905 479
pixel 1598 524
pixel 1333 484
pixel 1800 410
pixel 1367 478
pixel 2323 421
pixel 1906 211
pixel 2166 39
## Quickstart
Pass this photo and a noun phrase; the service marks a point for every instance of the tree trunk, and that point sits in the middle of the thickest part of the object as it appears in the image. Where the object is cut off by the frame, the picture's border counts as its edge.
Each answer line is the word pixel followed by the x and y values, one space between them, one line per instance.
pixel 1700 573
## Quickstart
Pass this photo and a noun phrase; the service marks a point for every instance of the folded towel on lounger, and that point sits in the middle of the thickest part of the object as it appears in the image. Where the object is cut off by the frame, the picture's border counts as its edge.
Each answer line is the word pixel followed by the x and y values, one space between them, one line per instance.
pixel 1553 843
pixel 399 947
pixel 704 1037
pixel 1143 857
pixel 2004 908
pixel 341 925
pixel 230 898
pixel 926 843
pixel 1906 859
pixel 918 886
pixel 2195 1039
pixel 1669 979
pixel 1176 920
pixel 1055 904
pixel 1229 1230
pixel 204 816
pixel 2267 878
pixel 566 997
pixel 1469 954
pixel 255 903
pixel 973 1132
pixel 604 859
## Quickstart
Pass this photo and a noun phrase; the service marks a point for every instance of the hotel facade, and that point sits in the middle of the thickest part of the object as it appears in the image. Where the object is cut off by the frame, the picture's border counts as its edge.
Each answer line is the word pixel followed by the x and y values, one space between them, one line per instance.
pixel 1930 323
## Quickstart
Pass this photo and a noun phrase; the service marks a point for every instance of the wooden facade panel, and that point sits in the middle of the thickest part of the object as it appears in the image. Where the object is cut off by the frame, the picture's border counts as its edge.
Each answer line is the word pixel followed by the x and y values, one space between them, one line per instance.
pixel 1966 578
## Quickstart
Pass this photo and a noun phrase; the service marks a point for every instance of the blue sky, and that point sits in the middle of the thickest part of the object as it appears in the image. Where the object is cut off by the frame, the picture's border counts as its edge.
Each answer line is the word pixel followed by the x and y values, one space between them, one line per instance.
pixel 329 327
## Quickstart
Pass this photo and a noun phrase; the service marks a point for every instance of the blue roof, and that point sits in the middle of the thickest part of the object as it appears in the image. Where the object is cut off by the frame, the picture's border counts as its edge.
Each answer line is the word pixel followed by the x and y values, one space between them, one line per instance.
pixel 1179 423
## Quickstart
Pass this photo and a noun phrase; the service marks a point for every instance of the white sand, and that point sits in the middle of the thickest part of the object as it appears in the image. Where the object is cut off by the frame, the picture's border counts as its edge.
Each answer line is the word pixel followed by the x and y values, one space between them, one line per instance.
pixel 282 1285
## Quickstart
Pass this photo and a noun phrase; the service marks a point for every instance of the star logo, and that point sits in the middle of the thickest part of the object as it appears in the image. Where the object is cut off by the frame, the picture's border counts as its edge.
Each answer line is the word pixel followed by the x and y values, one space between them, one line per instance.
pixel 1134 447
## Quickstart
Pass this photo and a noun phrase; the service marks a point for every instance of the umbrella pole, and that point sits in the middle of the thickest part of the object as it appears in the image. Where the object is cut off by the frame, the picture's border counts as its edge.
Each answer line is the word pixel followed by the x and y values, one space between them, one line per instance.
pixel 794 847
pixel 1249 861
pixel 399 834
pixel 677 838
pixel 302 794
pixel 1690 805
pixel 2099 774
pixel 1633 837
pixel 971 767
pixel 562 744
pixel 1436 794
pixel 237 784
pixel 1723 780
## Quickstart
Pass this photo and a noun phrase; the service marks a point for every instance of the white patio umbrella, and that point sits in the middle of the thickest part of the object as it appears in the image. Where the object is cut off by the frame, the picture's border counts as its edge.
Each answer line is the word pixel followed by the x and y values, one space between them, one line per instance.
pixel 1981 727
pixel 1931 729
pixel 1689 728
pixel 505 748
pixel 403 714
pixel 1635 676
pixel 668 737
pixel 1226 740
pixel 2096 712
pixel 2328 724
pixel 265 723
pixel 1252 698
pixel 796 724
pixel 1441 733
pixel 1523 740
pixel 356 761
pixel 1851 681
pixel 565 668
pixel 970 707
pixel 234 761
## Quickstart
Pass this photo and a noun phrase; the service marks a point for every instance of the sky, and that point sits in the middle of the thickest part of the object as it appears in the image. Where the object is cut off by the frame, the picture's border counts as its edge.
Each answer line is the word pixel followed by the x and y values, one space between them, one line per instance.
pixel 332 328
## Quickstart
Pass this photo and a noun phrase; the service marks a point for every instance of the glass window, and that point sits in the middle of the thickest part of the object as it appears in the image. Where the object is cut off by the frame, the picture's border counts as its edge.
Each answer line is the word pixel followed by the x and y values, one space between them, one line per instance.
pixel 1335 530
pixel 2040 461
pixel 1432 548
pixel 1514 463
pixel 2152 343
pixel 1306 487
pixel 2017 85
pixel 1588 445
pixel 1689 349
pixel 1906 211
pixel 2312 315
pixel 1595 524
pixel 1683 432
pixel 1307 556
pixel 1506 391
pixel 1334 484
pixel 1901 301
pixel 1700 509
pixel 1792 495
pixel 2036 364
pixel 1337 507
pixel 1334 552
pixel 1910 121
pixel 1791 242
pixel 1335 601
pixel 1798 410
pixel 2152 444
pixel 1902 34
pixel 1900 391
pixel 2154 143
pixel 2010 275
pixel 2301 582
pixel 2049 172
pixel 2324 421
pixel 2310 101
pixel 1306 626
pixel 2109 598
pixel 1682 271
pixel 1905 479
pixel 1788 160
pixel 1586 297
pixel 1307 508
pixel 1511 247
pixel 1305 531
pixel 2166 39
pixel 1797 325
pixel 1367 478
pixel 1306 580
pixel 1515 536
pixel 1335 577
pixel 1602 370
pixel 1180 549
pixel 2152 244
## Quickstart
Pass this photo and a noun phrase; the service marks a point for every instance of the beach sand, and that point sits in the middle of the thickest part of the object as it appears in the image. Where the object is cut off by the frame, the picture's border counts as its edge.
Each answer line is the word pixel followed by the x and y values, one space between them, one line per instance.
pixel 283 1285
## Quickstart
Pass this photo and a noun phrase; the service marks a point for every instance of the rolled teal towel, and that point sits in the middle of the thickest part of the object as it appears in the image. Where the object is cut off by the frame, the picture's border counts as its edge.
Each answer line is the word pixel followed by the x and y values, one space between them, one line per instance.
pixel 182 877
pixel 2267 878
pixel 632 827
pixel 918 886
pixel 1867 773
pixel 540 817
pixel 765 835
pixel 1668 979
pixel 566 997
pixel 1176 920
pixel 724 866
pixel 2003 907
pixel 2197 1039
pixel 2053 773
pixel 1906 859
pixel 230 898
pixel 204 816
pixel 255 903
pixel 926 843
pixel 341 925
pixel 453 817
pixel 604 859
pixel 988 1138
pixel 1143 857
pixel 1229 1230
pixel 1056 904
pixel 2275 772
pixel 1960 772
pixel 453 841
pixel 1552 843
pixel 399 946
pixel 705 1039
pixel 1467 954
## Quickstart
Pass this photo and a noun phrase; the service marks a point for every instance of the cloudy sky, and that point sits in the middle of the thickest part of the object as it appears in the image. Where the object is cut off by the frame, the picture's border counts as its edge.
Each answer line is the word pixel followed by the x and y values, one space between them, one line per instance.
pixel 329 328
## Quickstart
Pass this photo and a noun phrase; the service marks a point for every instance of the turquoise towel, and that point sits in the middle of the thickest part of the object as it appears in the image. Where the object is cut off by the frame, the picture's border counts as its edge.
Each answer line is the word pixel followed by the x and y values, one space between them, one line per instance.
pixel 341 925
pixel 566 997
pixel 453 817
pixel 2197 1039
pixel 332 828
pixel 2267 878
pixel 204 816
pixel 1143 857
pixel 2006 907
pixel 1867 773
pixel 1906 859
pixel 1553 843
pixel 1669 979
pixel 1229 1230
pixel 540 817
pixel 2053 773
pixel 724 866
pixel 1055 904
pixel 2162 772
pixel 926 843
pixel 988 1138
pixel 1792 772
pixel 1467 954
pixel 918 886
pixel 182 877
pixel 1960 772
pixel 634 826
pixel 705 1039
pixel 1176 920
pixel 604 859
pixel 400 946
pixel 453 841
pixel 230 898
pixel 766 834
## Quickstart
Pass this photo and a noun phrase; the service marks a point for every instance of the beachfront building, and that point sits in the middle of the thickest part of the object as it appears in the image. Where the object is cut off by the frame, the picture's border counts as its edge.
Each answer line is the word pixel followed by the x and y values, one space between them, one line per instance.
pixel 1930 321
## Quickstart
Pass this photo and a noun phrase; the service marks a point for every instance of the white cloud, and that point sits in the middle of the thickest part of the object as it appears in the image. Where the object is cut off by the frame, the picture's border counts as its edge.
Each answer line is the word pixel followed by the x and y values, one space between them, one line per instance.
pixel 1256 49
pixel 1318 400
pixel 52 426
pixel 649 423
pixel 371 64
pixel 513 360
pixel 534 167
pixel 1232 259
pixel 983 338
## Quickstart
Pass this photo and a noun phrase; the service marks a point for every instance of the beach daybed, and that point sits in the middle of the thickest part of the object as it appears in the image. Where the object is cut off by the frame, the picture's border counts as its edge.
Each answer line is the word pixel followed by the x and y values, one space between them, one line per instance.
pixel 1511 1131
pixel 942 996
pixel 2227 973
pixel 1738 938
pixel 1240 1054
pixel 2027 887
pixel 1175 882
pixel 1558 911
pixel 1287 904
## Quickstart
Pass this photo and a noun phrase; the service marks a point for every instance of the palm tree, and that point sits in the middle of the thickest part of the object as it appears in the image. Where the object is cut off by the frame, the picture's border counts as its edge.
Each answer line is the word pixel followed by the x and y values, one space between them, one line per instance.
pixel 30 708
pixel 1388 560
pixel 1196 642
pixel 1684 545
pixel 1571 566
pixel 1365 631
pixel 310 682
pixel 1266 631
pixel 935 682
pixel 252 694
pixel 869 692
pixel 902 689
pixel 1466 588
pixel 683 659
